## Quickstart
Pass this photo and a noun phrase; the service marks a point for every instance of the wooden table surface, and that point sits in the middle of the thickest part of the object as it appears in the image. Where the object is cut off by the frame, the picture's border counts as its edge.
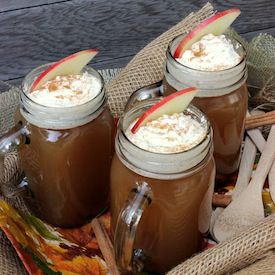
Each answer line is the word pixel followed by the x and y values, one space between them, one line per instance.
pixel 34 32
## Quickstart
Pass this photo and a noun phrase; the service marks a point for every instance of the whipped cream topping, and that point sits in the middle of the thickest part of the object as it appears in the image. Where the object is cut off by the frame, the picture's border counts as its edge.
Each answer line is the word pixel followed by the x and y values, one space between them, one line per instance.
pixel 211 53
pixel 67 91
pixel 168 134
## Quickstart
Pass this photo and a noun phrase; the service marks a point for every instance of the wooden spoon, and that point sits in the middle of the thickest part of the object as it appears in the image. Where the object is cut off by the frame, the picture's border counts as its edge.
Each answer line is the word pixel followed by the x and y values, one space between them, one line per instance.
pixel 247 209
pixel 215 214
pixel 246 167
pixel 245 170
pixel 259 140
pixel 244 174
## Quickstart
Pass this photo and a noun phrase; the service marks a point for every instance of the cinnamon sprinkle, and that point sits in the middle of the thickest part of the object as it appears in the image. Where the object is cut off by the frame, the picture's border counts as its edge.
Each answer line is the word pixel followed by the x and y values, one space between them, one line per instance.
pixel 53 86
pixel 200 51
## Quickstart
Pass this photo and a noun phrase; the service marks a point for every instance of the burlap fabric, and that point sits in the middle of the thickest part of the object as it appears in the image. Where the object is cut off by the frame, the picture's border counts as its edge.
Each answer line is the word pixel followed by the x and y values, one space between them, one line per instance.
pixel 254 246
pixel 9 261
pixel 261 66
pixel 260 56
pixel 264 266
pixel 237 253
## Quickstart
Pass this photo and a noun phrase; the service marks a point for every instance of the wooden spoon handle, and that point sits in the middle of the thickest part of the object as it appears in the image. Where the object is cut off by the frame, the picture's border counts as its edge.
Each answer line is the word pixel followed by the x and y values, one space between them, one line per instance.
pixel 259 141
pixel 246 167
pixel 257 138
pixel 266 160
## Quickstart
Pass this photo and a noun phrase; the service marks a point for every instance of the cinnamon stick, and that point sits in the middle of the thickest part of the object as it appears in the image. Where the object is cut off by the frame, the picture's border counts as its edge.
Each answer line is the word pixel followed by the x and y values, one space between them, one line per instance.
pixel 105 246
pixel 260 120
pixel 220 200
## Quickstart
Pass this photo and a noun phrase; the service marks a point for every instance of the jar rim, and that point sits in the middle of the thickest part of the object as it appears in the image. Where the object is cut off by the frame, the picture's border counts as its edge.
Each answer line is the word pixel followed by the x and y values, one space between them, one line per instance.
pixel 208 92
pixel 166 176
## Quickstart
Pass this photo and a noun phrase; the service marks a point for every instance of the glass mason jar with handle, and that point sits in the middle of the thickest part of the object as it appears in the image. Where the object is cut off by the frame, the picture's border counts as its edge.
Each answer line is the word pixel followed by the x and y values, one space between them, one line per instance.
pixel 160 202
pixel 222 97
pixel 65 153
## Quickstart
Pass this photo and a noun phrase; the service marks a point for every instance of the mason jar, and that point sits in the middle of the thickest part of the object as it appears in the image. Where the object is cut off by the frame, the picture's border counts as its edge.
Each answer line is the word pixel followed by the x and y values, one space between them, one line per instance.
pixel 222 97
pixel 65 153
pixel 160 202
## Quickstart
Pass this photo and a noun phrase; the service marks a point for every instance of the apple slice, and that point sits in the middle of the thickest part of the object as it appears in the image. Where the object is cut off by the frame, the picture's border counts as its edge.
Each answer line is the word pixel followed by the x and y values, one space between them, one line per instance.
pixel 216 24
pixel 174 103
pixel 72 64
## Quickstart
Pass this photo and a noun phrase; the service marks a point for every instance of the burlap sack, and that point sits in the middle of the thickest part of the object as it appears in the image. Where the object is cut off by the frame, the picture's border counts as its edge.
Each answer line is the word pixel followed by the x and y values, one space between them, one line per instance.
pixel 264 266
pixel 9 261
pixel 144 69
pixel 261 68
pixel 234 254
pixel 8 105
pixel 9 101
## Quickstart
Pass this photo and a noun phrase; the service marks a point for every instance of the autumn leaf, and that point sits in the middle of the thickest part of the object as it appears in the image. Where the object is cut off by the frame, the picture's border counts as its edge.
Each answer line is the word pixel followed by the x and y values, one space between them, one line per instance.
pixel 43 266
pixel 40 227
pixel 81 265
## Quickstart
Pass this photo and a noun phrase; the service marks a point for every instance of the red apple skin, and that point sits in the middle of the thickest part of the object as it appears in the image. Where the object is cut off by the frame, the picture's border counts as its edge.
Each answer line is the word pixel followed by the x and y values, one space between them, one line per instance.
pixel 164 101
pixel 202 25
pixel 42 75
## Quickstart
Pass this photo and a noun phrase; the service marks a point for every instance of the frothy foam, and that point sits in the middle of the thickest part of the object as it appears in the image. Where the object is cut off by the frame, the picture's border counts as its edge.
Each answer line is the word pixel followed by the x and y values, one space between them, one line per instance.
pixel 67 91
pixel 168 134
pixel 211 53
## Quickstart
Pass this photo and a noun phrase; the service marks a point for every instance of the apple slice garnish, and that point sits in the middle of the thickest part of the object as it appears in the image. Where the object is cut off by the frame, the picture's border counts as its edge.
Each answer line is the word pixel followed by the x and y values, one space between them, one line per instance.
pixel 70 65
pixel 174 103
pixel 217 24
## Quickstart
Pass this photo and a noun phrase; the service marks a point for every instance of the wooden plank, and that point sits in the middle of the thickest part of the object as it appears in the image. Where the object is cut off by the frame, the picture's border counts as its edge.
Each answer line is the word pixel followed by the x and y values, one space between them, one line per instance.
pixel 9 5
pixel 110 64
pixel 249 35
pixel 255 14
pixel 119 29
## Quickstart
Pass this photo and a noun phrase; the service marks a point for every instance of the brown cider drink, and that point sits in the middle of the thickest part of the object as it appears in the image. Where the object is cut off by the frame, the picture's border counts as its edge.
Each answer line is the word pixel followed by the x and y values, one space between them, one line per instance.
pixel 222 97
pixel 160 202
pixel 226 114
pixel 68 155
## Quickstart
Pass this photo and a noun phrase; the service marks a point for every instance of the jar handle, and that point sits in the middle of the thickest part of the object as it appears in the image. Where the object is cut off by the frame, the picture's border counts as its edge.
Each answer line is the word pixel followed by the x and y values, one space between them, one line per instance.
pixel 129 259
pixel 8 142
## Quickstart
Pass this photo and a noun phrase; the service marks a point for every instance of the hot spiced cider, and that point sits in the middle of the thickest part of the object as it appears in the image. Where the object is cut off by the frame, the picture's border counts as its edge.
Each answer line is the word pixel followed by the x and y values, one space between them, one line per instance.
pixel 216 65
pixel 168 162
pixel 68 156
